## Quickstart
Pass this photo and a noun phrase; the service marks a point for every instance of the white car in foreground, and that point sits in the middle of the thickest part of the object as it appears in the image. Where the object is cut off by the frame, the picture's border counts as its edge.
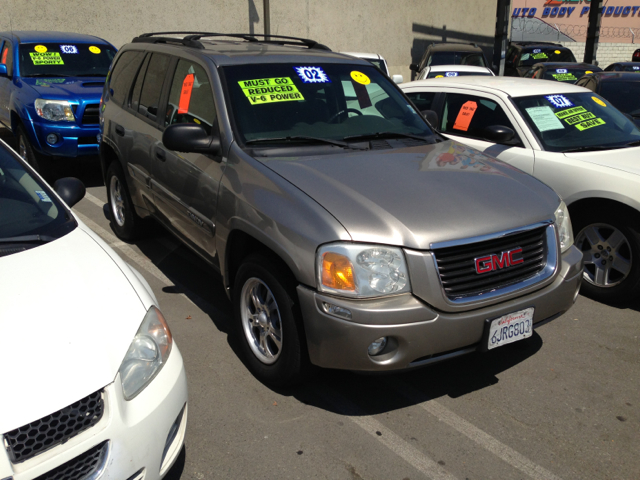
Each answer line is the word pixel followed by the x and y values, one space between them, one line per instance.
pixel 93 385
pixel 452 71
pixel 570 138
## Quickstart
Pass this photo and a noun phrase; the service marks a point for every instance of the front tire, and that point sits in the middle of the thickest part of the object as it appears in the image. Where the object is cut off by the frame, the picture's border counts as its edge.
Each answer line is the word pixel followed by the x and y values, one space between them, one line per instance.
pixel 39 162
pixel 268 323
pixel 124 220
pixel 610 243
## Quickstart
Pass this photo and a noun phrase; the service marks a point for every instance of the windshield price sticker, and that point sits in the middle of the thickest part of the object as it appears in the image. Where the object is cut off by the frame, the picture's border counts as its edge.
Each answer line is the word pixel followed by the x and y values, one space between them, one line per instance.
pixel 544 119
pixel 580 118
pixel 463 120
pixel 562 70
pixel 46 58
pixel 564 77
pixel 569 112
pixel 596 122
pixel 451 74
pixel 68 49
pixel 537 50
pixel 185 93
pixel 538 56
pixel 312 74
pixel 636 68
pixel 43 196
pixel 559 101
pixel 270 90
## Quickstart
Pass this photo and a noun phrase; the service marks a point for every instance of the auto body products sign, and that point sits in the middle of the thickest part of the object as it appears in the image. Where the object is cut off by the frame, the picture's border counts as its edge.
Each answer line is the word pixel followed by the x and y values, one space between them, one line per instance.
pixel 270 90
pixel 46 58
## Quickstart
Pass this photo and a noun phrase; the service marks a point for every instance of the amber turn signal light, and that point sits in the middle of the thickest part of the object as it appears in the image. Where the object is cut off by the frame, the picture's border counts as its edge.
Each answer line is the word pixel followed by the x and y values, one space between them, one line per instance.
pixel 337 272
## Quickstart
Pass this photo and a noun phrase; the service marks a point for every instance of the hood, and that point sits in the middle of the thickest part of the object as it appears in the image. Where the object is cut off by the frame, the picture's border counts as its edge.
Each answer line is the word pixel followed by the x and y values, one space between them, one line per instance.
pixel 67 317
pixel 67 88
pixel 624 159
pixel 418 196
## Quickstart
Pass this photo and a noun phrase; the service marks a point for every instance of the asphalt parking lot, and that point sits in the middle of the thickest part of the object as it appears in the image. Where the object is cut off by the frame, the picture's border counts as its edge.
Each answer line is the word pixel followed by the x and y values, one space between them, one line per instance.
pixel 564 406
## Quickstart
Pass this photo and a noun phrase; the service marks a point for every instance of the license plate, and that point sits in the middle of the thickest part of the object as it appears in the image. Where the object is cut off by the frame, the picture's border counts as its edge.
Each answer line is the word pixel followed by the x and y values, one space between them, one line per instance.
pixel 510 328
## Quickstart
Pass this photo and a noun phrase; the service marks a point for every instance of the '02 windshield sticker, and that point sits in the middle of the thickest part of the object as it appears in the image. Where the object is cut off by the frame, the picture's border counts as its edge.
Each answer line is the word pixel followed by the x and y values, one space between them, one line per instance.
pixel 312 74
pixel 559 101
pixel 451 74
pixel 270 90
pixel 46 58
pixel 43 196
pixel 68 49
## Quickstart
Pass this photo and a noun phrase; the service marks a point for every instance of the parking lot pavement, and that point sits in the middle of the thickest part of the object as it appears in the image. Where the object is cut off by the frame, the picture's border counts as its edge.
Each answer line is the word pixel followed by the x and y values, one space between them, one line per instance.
pixel 564 406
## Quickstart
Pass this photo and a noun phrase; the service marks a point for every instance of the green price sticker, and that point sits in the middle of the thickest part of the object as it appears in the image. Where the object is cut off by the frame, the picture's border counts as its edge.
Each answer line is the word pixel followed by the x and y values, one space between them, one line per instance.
pixel 46 58
pixel 270 90
pixel 570 112
pixel 596 122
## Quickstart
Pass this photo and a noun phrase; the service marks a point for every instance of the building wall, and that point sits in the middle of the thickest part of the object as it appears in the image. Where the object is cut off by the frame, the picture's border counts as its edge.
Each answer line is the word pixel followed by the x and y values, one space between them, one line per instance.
pixel 606 54
pixel 399 30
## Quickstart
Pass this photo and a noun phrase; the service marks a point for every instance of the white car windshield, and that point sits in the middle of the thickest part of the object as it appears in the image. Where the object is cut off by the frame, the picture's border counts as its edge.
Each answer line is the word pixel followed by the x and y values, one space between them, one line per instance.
pixel 577 122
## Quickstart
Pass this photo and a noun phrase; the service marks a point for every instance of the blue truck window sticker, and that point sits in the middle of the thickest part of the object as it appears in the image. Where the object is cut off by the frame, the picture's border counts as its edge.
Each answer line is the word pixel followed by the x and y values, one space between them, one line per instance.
pixel 68 49
pixel 312 74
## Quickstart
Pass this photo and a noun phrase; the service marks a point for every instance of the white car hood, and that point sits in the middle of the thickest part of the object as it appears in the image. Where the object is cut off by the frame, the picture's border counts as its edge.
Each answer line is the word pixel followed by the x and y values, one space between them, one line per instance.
pixel 624 159
pixel 68 314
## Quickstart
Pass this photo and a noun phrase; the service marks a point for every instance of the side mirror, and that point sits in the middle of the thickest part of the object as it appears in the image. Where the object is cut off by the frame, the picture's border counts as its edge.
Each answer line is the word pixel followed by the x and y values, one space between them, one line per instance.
pixel 498 134
pixel 431 117
pixel 70 189
pixel 414 67
pixel 3 70
pixel 397 79
pixel 189 137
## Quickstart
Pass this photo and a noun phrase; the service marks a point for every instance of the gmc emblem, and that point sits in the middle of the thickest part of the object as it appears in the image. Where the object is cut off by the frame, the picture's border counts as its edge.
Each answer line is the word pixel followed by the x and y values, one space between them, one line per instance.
pixel 494 262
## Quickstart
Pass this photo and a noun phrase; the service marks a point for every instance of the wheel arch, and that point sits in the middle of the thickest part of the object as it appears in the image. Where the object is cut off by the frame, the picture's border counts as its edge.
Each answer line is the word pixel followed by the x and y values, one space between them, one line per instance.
pixel 582 205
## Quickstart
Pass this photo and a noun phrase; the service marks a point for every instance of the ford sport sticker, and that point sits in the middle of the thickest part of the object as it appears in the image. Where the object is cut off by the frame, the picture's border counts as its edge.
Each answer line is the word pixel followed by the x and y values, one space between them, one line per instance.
pixel 270 90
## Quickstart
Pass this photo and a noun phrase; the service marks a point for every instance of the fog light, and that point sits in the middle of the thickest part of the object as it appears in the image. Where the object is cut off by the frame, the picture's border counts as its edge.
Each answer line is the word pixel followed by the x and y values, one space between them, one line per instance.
pixel 52 139
pixel 336 310
pixel 377 346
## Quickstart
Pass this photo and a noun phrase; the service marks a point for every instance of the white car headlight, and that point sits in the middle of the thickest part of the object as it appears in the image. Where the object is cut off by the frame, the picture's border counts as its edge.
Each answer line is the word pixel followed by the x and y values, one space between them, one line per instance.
pixel 147 354
pixel 359 270
pixel 54 110
pixel 563 224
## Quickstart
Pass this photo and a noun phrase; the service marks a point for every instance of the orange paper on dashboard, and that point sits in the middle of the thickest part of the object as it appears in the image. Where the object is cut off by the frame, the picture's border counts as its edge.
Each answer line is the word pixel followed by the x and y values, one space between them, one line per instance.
pixel 465 115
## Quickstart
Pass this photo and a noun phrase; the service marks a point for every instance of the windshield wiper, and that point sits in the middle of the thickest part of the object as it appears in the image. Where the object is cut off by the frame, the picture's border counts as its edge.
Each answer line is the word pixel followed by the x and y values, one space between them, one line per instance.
pixel 90 75
pixel 385 135
pixel 28 239
pixel 304 137
pixel 593 148
pixel 49 75
pixel 633 144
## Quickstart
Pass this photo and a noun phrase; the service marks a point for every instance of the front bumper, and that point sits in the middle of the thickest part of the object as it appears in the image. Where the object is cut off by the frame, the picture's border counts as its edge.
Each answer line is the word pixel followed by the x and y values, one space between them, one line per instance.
pixel 420 334
pixel 74 140
pixel 134 432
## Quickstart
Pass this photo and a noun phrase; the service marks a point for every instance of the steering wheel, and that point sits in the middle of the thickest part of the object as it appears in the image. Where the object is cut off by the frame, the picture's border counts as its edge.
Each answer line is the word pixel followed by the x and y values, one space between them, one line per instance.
pixel 346 110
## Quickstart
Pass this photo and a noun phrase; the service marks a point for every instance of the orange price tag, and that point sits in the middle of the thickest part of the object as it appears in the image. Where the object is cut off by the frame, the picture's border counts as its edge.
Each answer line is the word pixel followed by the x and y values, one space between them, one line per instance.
pixel 185 94
pixel 4 56
pixel 465 115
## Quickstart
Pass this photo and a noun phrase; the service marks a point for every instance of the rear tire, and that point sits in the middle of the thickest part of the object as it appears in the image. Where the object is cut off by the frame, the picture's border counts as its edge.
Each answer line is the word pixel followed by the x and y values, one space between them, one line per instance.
pixel 124 220
pixel 610 243
pixel 40 163
pixel 268 323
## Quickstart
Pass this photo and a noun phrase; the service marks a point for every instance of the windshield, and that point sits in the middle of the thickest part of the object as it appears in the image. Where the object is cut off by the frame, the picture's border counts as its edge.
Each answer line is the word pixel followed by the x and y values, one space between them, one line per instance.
pixel 328 101
pixel 576 121
pixel 630 68
pixel 625 96
pixel 457 74
pixel 456 58
pixel 566 74
pixel 27 206
pixel 65 60
pixel 530 56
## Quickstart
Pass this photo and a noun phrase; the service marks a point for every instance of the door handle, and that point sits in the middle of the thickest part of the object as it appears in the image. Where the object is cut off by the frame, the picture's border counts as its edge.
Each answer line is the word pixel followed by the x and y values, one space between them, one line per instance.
pixel 120 130
pixel 161 155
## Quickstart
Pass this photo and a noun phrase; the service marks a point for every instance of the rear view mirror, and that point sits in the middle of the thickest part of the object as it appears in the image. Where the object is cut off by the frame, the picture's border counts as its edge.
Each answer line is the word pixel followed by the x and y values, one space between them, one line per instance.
pixel 397 79
pixel 189 137
pixel 414 67
pixel 498 134
pixel 431 117
pixel 70 189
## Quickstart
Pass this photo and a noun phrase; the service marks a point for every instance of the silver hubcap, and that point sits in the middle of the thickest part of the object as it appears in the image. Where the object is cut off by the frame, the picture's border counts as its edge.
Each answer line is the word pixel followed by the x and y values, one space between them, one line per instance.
pixel 607 255
pixel 261 320
pixel 117 204
pixel 22 149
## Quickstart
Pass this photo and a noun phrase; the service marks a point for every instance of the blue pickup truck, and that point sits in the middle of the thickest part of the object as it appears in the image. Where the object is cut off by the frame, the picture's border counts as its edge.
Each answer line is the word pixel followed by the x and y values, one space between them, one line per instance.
pixel 50 88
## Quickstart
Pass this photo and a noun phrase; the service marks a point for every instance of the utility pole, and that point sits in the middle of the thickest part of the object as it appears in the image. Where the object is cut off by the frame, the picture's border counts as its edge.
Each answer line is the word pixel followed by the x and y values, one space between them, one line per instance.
pixel 267 17
pixel 502 36
pixel 593 31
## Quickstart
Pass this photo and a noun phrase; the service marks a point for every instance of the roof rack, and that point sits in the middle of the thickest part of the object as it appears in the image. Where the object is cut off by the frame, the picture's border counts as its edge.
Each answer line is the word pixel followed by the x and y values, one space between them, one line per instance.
pixel 192 39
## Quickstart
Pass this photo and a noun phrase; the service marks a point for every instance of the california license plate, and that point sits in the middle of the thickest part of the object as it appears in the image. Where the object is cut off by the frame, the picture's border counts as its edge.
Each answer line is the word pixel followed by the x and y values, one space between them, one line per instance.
pixel 510 328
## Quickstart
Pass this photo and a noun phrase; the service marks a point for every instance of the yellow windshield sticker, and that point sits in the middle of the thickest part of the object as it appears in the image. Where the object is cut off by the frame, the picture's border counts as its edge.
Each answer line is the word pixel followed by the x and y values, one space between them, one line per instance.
pixel 598 101
pixel 564 77
pixel 360 78
pixel 93 49
pixel 439 76
pixel 580 118
pixel 596 122
pixel 40 48
pixel 569 112
pixel 557 52
pixel 270 90
pixel 538 56
pixel 588 72
pixel 47 58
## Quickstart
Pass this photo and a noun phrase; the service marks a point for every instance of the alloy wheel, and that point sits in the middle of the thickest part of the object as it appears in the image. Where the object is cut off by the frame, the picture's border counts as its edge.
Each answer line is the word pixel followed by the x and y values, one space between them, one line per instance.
pixel 116 200
pixel 606 253
pixel 261 320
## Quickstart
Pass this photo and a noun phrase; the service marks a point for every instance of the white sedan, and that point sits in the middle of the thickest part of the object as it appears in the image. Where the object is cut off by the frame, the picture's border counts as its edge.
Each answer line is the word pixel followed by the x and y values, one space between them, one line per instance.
pixel 570 138
pixel 452 71
pixel 93 385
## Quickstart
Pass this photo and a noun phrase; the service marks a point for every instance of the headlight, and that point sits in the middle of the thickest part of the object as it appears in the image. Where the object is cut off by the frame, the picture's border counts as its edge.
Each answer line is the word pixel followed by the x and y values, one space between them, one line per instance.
pixel 358 270
pixel 563 224
pixel 147 354
pixel 54 110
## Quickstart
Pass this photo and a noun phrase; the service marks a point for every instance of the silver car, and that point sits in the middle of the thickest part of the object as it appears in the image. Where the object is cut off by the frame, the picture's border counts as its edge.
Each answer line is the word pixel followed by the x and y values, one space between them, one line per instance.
pixel 347 232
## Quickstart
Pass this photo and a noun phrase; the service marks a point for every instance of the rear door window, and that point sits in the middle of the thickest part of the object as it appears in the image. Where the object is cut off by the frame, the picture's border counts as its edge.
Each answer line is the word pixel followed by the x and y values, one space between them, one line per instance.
pixel 152 85
pixel 469 115
pixel 123 74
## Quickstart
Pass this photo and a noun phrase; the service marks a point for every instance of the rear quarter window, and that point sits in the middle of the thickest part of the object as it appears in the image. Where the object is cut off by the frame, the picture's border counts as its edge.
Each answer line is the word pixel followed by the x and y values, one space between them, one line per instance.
pixel 123 74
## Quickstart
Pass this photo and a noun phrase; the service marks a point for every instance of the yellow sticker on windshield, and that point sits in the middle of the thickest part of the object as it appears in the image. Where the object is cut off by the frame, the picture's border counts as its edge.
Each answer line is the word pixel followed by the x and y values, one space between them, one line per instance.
pixel 557 52
pixel 588 72
pixel 93 49
pixel 580 118
pixel 270 90
pixel 596 122
pixel 439 76
pixel 40 48
pixel 47 58
pixel 569 112
pixel 360 78
pixel 598 101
